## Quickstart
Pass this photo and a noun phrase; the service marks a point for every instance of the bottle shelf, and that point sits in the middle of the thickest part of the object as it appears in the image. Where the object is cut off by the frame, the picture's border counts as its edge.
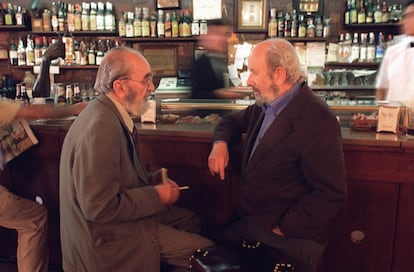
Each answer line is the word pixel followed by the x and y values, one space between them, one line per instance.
pixel 14 28
pixel 352 65
pixel 62 67
pixel 341 88
pixel 149 39
pixel 373 26
pixel 76 33
pixel 315 39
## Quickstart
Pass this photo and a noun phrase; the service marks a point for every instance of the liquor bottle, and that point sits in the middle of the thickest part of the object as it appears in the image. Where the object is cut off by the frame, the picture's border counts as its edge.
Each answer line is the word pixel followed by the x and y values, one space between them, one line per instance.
pixel 54 18
pixel 100 17
pixel 13 53
pixel 347 12
pixel 369 19
pixel 280 24
pixel 180 24
pixel 160 24
pixel 377 13
pixel 168 26
pixel 346 51
pixel 145 22
pixel 60 94
pixel 45 45
pixel 353 13
pixel 371 47
pixel 70 18
pixel 361 15
pixel 78 17
pixel 319 26
pixel 174 25
pixel 92 17
pixel 122 25
pixel 9 17
pixel 385 14
pixel 68 40
pixel 24 98
pixel 109 17
pixel 363 48
pixel 137 22
pixel 294 28
pixel 19 16
pixel 380 48
pixel 341 40
pixel 287 25
pixel 302 26
pixel 311 28
pixel 195 28
pixel 77 97
pixel 187 23
pixel 203 27
pixel 355 48
pixel 61 16
pixel 77 52
pixel 18 95
pixel 46 20
pixel 85 16
pixel 69 94
pixel 21 53
pixel 272 23
pixel 38 50
pixel 91 54
pixel 30 58
pixel 129 26
pixel 153 26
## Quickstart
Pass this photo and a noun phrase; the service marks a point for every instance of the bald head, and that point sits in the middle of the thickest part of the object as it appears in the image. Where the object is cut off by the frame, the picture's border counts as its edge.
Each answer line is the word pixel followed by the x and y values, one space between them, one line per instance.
pixel 117 63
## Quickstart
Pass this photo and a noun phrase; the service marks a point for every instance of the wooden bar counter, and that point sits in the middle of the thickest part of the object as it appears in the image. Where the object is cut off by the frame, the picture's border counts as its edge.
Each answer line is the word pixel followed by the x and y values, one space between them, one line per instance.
pixel 373 232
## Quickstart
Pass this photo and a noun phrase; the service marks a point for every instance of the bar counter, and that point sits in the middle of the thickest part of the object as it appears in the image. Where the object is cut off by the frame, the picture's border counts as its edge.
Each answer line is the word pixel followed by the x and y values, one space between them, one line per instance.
pixel 373 232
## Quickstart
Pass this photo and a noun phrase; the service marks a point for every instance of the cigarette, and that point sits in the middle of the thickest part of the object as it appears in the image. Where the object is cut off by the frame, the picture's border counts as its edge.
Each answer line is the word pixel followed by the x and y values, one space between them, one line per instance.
pixel 183 188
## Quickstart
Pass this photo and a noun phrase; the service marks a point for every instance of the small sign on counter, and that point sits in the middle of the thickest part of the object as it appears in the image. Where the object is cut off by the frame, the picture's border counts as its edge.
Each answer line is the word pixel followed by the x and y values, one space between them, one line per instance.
pixel 388 119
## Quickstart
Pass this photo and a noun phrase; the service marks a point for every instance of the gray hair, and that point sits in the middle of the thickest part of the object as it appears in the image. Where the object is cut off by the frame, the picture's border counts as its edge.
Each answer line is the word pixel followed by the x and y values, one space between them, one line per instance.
pixel 281 53
pixel 114 65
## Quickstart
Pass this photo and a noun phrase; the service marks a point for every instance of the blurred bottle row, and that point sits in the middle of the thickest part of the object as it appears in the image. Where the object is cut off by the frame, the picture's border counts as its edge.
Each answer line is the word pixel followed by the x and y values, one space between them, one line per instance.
pixel 370 12
pixel 79 52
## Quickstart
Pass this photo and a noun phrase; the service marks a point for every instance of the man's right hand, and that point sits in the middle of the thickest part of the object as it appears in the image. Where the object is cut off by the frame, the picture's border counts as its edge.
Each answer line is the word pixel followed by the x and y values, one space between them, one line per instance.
pixel 218 159
pixel 54 51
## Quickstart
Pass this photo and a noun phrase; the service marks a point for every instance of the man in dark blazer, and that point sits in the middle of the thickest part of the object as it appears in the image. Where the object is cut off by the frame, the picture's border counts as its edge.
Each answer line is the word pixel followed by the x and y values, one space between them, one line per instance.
pixel 293 174
pixel 111 217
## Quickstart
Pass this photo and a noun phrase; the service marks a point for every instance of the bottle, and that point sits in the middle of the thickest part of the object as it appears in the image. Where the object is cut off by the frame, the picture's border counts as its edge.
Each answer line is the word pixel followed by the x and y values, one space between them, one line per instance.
pixel 91 54
pixel 319 26
pixel 70 18
pixel 30 57
pixel 203 27
pixel 380 48
pixel 45 45
pixel 137 22
pixel 122 25
pixel 195 28
pixel 54 18
pixel 174 25
pixel 18 95
pixel 280 24
pixel 100 17
pixel 346 51
pixel 187 23
pixel 77 52
pixel 60 94
pixel 13 53
pixel 68 94
pixel 21 53
pixel 38 50
pixel 129 26
pixel 160 24
pixel 272 24
pixel 311 28
pixel 287 25
pixel 361 15
pixel 46 20
pixel 145 22
pixel 109 17
pixel 92 17
pixel 377 13
pixel 363 48
pixel 369 18
pixel 24 98
pixel 341 47
pixel 168 25
pixel 78 17
pixel 68 40
pixel 355 48
pixel 302 26
pixel 19 16
pixel 77 97
pixel 153 26
pixel 385 14
pixel 353 14
pixel 371 47
pixel 61 16
pixel 294 28
pixel 85 16
pixel 347 12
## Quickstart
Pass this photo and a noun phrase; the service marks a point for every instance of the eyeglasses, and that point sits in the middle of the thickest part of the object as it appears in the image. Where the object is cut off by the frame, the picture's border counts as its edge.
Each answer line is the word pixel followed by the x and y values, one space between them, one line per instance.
pixel 146 81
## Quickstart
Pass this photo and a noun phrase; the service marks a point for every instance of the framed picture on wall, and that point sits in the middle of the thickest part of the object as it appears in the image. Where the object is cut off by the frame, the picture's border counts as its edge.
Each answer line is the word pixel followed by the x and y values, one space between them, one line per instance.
pixel 314 7
pixel 167 4
pixel 251 15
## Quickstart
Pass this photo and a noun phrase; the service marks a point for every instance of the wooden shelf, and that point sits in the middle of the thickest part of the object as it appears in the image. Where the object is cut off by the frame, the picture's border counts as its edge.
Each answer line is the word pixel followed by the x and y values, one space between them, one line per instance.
pixel 76 33
pixel 353 65
pixel 149 39
pixel 14 28
pixel 340 88
pixel 373 26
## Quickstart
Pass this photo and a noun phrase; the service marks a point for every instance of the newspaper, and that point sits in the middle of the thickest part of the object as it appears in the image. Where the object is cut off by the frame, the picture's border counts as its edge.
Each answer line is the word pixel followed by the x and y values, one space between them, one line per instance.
pixel 16 138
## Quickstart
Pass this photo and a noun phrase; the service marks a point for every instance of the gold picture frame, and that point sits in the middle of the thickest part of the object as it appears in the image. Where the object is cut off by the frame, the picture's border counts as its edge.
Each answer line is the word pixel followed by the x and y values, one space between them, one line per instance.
pixel 251 16
pixel 167 4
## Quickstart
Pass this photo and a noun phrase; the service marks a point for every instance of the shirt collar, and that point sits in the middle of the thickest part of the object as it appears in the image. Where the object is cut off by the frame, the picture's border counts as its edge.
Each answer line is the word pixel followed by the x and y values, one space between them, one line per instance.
pixel 277 105
pixel 124 114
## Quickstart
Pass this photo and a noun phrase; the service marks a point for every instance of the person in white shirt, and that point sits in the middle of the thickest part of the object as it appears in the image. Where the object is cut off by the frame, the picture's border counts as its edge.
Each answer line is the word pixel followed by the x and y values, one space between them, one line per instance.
pixel 395 79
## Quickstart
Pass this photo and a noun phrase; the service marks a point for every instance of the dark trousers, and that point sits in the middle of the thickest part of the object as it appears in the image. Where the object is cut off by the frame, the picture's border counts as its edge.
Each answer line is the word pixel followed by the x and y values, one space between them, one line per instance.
pixel 304 253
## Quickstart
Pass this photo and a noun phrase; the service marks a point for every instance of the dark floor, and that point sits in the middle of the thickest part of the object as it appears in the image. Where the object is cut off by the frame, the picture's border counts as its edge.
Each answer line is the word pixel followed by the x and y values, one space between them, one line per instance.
pixel 8 267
